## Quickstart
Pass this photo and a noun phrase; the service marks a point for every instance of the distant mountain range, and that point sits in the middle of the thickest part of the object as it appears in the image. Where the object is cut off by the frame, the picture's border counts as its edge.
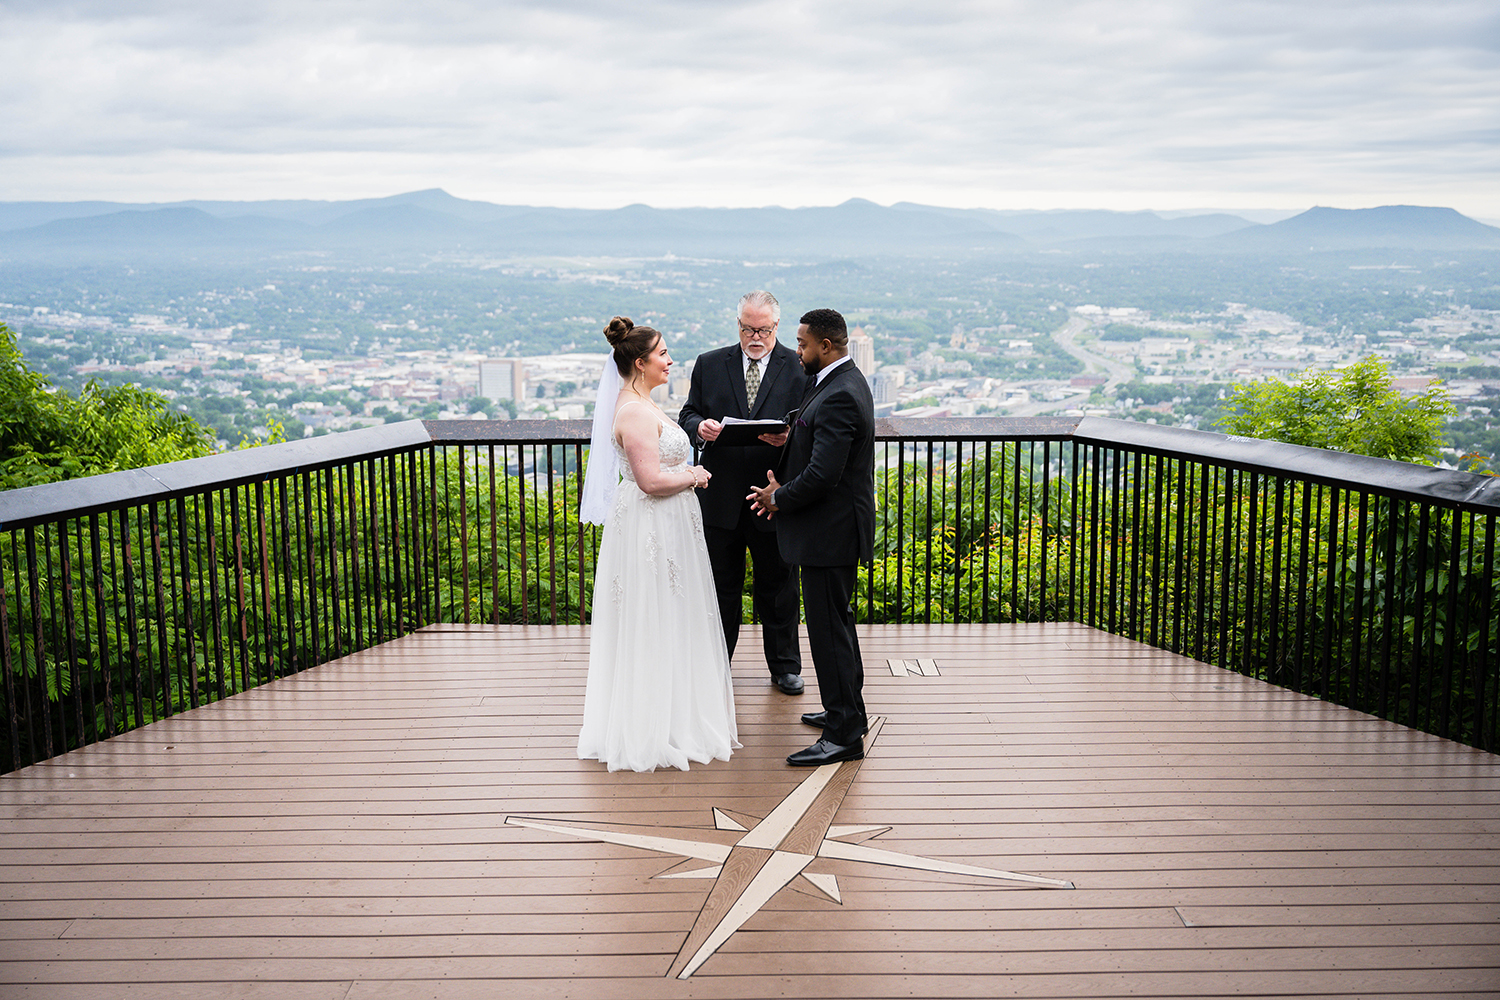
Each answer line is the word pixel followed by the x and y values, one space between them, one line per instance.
pixel 435 221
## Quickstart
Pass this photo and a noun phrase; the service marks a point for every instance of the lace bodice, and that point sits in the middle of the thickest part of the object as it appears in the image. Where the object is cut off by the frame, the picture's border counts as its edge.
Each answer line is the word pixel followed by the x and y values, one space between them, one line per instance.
pixel 672 446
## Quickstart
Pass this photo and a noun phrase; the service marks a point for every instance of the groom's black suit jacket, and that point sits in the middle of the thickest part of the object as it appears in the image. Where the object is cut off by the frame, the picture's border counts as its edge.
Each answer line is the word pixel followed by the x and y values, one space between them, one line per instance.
pixel 718 391
pixel 825 512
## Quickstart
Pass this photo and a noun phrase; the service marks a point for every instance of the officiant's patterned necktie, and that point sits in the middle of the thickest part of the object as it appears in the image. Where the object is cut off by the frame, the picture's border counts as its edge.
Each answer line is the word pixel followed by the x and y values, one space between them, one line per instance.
pixel 752 381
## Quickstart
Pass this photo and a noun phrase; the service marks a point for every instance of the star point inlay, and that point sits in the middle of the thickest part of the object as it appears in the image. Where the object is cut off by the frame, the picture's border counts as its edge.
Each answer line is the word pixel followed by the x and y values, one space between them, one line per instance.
pixel 751 864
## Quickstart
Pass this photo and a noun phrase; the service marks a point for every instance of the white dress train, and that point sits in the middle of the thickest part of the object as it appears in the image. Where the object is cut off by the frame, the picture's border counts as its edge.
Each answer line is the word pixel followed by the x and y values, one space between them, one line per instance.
pixel 659 691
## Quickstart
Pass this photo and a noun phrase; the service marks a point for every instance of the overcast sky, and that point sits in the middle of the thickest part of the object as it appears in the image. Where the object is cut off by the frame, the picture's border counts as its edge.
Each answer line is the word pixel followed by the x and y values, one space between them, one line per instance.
pixel 1124 104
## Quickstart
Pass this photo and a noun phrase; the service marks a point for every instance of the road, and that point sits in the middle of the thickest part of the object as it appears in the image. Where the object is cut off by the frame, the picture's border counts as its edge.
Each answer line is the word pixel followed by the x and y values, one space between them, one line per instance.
pixel 1115 373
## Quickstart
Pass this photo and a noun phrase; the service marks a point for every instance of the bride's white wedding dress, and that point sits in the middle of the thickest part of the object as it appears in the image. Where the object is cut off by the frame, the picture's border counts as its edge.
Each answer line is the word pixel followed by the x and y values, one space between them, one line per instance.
pixel 659 690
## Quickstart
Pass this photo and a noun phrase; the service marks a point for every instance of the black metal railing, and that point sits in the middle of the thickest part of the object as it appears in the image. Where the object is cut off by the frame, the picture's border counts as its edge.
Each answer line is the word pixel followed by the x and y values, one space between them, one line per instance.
pixel 131 597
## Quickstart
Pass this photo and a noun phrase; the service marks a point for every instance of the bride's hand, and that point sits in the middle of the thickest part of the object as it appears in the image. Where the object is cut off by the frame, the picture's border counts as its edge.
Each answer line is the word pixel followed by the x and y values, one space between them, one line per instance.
pixel 701 476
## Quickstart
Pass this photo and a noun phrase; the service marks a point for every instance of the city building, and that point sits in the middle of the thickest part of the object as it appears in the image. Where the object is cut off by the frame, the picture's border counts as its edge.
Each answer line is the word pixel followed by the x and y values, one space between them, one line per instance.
pixel 884 385
pixel 502 378
pixel 862 349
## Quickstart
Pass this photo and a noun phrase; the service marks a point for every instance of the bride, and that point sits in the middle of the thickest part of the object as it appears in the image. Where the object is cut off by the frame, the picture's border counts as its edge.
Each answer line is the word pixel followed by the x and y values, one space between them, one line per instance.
pixel 659 688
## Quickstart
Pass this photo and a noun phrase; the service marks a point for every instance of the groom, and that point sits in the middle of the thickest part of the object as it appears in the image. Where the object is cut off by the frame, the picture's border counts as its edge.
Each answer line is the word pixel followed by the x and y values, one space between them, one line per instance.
pixel 825 525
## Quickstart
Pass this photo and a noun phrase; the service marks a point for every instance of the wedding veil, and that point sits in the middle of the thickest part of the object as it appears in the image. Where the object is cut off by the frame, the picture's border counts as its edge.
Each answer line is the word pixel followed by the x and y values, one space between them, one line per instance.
pixel 603 473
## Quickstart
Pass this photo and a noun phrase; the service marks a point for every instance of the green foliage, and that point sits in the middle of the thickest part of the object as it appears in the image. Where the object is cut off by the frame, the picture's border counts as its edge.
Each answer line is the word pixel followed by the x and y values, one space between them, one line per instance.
pixel 131 616
pixel 1357 410
pixel 1301 586
pixel 48 435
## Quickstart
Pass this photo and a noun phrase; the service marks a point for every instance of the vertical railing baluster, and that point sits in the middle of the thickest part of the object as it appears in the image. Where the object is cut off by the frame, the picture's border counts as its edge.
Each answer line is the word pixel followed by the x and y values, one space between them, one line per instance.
pixel 1251 580
pixel 1158 545
pixel 901 529
pixel 241 622
pixel 1273 627
pixel 1096 535
pixel 132 629
pixel 1486 695
pixel 1015 533
pixel 189 642
pixel 102 659
pixel 293 623
pixel 1208 518
pixel 370 509
pixel 1413 716
pixel 399 539
pixel 88 662
pixel 205 512
pixel 1180 567
pixel 463 530
pixel 1229 559
pixel 1358 695
pixel 494 544
pixel 163 659
pixel 12 701
pixel 1453 630
pixel 1336 570
pixel 69 642
pixel 333 565
pixel 1137 570
pixel 1047 611
pixel 432 548
pixel 352 511
pixel 927 533
pixel 1392 611
pixel 265 665
pixel 551 534
pixel 1075 531
pixel 584 594
pixel 524 544
pixel 1302 597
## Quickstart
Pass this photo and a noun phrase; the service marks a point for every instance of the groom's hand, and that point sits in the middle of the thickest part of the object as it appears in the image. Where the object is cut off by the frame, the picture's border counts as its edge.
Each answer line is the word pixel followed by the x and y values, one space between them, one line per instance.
pixel 762 498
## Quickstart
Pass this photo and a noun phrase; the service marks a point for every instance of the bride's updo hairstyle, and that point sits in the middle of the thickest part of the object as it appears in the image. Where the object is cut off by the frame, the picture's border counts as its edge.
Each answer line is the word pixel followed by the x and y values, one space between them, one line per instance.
pixel 630 342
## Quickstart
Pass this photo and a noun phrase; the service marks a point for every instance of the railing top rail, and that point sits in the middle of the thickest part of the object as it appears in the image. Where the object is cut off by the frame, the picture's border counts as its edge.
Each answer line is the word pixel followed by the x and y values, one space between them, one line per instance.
pixel 1402 480
pixel 81 497
pixel 93 494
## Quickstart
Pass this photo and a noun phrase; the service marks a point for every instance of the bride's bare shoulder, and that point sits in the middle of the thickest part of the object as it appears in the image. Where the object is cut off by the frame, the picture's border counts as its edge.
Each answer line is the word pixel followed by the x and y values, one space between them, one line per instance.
pixel 635 418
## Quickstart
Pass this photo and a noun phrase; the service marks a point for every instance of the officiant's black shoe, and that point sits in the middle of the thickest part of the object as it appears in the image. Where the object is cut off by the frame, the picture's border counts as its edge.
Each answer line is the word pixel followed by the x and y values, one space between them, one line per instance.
pixel 819 720
pixel 823 752
pixel 788 683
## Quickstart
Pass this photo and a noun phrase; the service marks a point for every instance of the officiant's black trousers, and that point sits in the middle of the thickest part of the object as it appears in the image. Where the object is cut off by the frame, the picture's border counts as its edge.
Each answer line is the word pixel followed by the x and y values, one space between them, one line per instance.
pixel 826 595
pixel 773 591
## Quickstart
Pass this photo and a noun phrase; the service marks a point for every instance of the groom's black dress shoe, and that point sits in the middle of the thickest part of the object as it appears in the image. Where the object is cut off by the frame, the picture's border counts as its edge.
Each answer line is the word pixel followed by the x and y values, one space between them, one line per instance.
pixel 788 683
pixel 823 752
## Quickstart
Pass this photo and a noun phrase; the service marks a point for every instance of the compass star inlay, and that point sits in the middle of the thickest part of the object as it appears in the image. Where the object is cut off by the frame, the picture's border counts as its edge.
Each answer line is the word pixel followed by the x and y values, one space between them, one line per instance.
pixel 750 865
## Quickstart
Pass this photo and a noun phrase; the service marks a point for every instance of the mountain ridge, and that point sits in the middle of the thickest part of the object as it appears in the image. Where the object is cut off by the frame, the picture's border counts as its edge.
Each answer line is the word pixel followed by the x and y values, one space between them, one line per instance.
pixel 432 220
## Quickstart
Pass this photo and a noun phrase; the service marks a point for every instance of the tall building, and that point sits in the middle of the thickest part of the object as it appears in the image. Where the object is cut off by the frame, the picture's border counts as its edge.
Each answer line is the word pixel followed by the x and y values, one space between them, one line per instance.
pixel 863 350
pixel 502 378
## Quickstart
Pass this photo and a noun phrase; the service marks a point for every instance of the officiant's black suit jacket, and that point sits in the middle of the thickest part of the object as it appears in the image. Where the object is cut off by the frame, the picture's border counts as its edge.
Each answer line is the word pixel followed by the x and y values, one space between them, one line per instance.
pixel 718 391
pixel 826 504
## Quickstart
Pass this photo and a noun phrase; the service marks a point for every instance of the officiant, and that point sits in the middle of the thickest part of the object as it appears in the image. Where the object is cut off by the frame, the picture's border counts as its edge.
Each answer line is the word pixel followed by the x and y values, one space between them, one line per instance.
pixel 754 379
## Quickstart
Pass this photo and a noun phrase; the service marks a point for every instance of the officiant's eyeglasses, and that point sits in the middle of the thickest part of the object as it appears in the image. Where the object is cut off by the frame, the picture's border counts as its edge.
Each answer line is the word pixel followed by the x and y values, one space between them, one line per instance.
pixel 758 331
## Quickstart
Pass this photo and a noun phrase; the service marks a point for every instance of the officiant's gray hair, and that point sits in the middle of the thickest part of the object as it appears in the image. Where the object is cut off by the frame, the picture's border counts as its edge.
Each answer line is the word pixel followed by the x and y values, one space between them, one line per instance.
pixel 764 300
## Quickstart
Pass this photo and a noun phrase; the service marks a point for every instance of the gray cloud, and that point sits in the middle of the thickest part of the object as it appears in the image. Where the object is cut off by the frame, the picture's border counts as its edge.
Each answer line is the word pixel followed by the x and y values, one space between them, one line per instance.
pixel 673 102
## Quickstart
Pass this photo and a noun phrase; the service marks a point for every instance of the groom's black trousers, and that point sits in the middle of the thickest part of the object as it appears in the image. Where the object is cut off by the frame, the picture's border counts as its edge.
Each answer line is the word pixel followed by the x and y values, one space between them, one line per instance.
pixel 826 595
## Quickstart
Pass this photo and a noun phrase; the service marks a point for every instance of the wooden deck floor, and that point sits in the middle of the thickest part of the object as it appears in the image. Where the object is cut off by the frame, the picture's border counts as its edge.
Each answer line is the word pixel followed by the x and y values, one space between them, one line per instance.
pixel 344 835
